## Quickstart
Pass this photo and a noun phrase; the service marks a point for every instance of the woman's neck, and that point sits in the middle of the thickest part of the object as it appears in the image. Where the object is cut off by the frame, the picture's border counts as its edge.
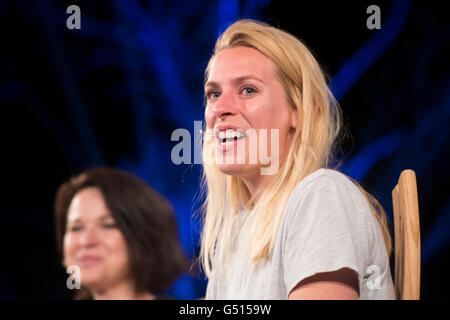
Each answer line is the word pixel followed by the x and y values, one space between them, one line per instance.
pixel 122 291
pixel 257 185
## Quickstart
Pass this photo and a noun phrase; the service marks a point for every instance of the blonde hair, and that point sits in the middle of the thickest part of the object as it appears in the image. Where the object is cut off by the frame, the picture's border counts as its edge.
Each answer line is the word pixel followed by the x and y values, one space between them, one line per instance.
pixel 313 147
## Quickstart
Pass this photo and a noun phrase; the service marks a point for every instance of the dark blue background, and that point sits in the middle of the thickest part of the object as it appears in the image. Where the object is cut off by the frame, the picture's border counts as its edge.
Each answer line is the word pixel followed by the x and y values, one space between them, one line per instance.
pixel 113 92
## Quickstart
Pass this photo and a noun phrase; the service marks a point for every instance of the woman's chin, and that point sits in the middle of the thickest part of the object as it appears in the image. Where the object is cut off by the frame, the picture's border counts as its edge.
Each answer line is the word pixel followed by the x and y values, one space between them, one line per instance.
pixel 234 169
pixel 92 277
pixel 229 169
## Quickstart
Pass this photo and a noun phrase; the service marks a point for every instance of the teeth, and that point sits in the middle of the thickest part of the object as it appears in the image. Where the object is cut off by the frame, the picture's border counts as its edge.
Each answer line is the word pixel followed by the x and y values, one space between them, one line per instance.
pixel 230 135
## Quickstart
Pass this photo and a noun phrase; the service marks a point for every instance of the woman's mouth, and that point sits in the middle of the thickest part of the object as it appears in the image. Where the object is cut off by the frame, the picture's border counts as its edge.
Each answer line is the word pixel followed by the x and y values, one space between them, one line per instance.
pixel 88 260
pixel 227 138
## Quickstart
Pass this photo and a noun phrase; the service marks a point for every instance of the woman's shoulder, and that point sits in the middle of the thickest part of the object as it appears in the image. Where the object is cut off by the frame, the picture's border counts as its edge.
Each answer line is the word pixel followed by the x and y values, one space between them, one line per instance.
pixel 324 176
pixel 327 188
pixel 329 198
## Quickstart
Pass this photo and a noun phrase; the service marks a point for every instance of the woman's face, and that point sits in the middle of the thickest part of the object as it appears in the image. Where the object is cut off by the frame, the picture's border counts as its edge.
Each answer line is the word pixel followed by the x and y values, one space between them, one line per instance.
pixel 248 113
pixel 94 243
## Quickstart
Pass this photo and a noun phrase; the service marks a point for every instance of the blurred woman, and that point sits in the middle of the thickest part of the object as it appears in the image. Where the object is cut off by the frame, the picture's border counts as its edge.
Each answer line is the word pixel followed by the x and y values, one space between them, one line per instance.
pixel 280 222
pixel 120 233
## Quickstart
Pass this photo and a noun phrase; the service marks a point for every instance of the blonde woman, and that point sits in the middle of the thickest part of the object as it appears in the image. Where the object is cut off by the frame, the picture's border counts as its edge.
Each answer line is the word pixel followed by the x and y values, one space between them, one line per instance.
pixel 279 223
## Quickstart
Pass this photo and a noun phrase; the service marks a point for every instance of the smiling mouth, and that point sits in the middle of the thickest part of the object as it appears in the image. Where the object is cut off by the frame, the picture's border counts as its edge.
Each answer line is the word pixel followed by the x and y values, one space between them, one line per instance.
pixel 227 136
pixel 88 260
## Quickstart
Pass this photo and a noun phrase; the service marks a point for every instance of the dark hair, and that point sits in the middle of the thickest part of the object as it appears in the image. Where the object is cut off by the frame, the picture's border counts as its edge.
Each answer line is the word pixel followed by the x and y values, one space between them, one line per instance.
pixel 145 218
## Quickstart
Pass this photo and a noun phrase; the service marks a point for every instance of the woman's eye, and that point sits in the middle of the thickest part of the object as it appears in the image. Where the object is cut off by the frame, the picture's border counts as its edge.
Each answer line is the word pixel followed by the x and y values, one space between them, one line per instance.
pixel 212 94
pixel 75 229
pixel 110 225
pixel 248 90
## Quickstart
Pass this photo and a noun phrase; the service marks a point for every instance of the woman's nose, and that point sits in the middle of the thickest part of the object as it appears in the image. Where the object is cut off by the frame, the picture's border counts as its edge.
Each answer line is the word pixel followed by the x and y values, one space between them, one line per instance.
pixel 225 106
pixel 89 237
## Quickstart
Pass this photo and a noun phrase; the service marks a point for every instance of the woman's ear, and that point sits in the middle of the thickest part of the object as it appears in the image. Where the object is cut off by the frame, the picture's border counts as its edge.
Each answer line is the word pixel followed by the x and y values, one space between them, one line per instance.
pixel 294 119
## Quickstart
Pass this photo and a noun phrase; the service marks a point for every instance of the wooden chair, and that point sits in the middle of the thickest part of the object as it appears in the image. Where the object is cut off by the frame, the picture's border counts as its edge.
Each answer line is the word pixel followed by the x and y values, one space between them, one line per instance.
pixel 407 237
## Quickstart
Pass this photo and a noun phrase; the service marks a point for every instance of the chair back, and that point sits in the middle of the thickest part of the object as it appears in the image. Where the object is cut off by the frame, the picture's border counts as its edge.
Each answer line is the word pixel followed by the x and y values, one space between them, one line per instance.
pixel 407 237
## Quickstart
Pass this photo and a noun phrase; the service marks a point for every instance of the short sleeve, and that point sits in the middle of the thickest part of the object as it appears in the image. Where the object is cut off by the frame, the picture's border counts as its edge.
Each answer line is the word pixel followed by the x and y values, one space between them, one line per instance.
pixel 325 229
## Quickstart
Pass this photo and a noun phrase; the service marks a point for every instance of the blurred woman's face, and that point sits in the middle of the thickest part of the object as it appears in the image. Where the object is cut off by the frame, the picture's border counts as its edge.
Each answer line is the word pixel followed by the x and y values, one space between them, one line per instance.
pixel 94 243
pixel 247 111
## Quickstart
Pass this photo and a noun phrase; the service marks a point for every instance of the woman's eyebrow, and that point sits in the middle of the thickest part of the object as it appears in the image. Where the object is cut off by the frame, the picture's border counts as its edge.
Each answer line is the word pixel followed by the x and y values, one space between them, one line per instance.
pixel 241 79
pixel 211 84
pixel 103 217
pixel 106 216
pixel 235 81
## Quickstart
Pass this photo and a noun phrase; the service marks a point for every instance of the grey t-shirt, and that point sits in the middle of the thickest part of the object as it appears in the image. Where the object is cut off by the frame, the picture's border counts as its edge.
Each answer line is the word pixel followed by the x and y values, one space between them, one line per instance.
pixel 327 225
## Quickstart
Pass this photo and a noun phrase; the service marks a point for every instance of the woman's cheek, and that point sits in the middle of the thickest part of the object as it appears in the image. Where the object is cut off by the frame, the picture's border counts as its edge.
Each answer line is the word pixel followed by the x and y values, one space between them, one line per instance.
pixel 69 249
pixel 209 117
